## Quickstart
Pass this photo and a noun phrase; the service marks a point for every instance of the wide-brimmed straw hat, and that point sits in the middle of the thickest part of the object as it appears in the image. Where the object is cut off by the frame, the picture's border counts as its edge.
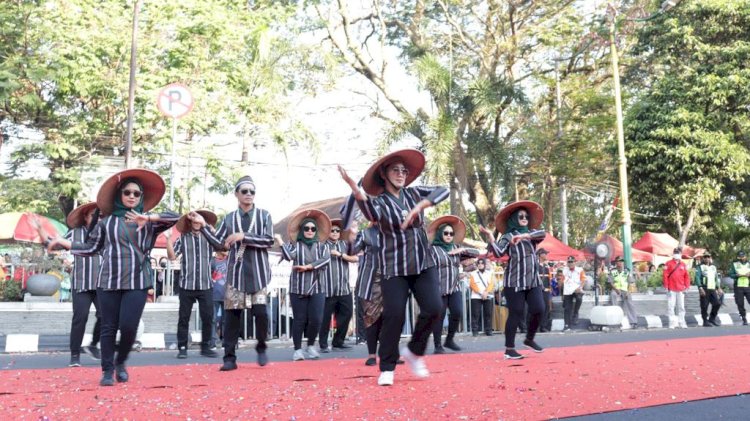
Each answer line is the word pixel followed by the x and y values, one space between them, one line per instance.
pixel 536 214
pixel 321 220
pixel 459 227
pixel 184 225
pixel 152 183
pixel 345 233
pixel 413 160
pixel 77 217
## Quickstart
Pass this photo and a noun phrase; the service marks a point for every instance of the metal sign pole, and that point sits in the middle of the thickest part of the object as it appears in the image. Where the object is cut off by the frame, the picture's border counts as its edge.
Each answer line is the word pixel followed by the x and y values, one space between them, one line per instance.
pixel 171 165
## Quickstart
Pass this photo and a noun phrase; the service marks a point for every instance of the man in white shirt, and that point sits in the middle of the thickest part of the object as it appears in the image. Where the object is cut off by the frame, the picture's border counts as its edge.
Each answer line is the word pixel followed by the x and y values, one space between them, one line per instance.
pixel 482 288
pixel 572 291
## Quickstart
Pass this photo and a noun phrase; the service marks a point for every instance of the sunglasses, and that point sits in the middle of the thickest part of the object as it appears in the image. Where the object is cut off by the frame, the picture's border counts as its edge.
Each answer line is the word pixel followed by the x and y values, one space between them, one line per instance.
pixel 400 170
pixel 134 193
pixel 335 230
pixel 309 229
pixel 247 191
pixel 523 216
pixel 448 233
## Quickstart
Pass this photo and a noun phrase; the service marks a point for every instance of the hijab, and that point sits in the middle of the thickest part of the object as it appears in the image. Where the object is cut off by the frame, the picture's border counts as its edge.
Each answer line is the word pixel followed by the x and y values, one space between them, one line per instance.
pixel 438 241
pixel 301 232
pixel 514 225
pixel 120 209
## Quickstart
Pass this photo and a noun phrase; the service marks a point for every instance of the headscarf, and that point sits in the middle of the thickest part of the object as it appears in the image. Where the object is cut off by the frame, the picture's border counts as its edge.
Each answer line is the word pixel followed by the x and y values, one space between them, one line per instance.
pixel 301 232
pixel 514 225
pixel 438 240
pixel 120 209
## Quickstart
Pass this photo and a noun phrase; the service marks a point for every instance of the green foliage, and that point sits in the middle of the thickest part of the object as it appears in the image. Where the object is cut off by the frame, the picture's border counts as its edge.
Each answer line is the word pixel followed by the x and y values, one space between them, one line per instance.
pixel 10 290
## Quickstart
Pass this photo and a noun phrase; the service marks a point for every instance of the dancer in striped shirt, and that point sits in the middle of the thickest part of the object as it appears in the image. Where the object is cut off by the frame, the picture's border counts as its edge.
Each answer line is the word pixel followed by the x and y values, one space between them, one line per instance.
pixel 308 231
pixel 338 291
pixel 124 237
pixel 248 234
pixel 519 221
pixel 407 263
pixel 195 280
pixel 445 234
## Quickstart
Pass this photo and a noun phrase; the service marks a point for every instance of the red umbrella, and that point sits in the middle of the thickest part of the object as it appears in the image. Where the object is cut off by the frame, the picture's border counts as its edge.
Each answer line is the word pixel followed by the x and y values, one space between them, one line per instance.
pixel 161 240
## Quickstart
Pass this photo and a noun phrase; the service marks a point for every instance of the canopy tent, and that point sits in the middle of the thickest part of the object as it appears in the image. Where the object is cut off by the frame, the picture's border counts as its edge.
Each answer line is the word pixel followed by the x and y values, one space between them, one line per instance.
pixel 558 250
pixel 615 250
pixel 663 244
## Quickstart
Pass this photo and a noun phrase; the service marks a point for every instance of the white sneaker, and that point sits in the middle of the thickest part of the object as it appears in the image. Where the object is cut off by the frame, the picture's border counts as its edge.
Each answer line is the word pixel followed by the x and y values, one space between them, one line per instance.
pixel 416 363
pixel 298 355
pixel 386 378
pixel 312 353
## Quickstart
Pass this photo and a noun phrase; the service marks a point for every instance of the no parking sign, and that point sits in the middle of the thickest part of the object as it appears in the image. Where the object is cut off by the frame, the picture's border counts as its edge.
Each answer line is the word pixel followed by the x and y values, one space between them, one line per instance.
pixel 175 100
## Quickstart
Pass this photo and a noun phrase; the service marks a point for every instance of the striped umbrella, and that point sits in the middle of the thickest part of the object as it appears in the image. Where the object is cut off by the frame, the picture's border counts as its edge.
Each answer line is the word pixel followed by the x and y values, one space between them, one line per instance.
pixel 15 226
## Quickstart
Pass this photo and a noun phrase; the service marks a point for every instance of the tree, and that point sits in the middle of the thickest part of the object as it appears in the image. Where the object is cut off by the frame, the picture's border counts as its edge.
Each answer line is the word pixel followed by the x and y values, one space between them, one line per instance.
pixel 687 132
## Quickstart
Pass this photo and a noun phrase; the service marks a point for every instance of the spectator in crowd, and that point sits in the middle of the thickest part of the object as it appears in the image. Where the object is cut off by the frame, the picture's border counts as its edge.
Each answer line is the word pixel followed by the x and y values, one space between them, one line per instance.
pixel 708 280
pixel 740 273
pixel 676 281
pixel 219 279
pixel 572 291
pixel 620 279
pixel 481 283
pixel 546 278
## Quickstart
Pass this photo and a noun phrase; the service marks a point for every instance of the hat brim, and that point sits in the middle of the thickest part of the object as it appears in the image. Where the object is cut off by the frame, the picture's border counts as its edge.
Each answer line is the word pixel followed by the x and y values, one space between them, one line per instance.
pixel 77 216
pixel 459 228
pixel 412 159
pixel 345 233
pixel 321 220
pixel 536 214
pixel 153 189
pixel 184 225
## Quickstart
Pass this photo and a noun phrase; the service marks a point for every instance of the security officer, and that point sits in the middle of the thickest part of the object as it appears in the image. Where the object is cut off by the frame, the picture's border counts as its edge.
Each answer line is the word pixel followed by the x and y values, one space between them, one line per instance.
pixel 740 272
pixel 619 278
pixel 709 288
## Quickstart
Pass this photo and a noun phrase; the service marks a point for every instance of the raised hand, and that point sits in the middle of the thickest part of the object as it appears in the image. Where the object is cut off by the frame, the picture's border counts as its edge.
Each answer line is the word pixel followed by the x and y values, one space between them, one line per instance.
pixel 196 217
pixel 233 238
pixel 138 218
pixel 489 234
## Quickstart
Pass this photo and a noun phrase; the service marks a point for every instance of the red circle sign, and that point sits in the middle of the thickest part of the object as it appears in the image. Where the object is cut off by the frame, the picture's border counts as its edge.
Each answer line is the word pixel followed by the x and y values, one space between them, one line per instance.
pixel 175 100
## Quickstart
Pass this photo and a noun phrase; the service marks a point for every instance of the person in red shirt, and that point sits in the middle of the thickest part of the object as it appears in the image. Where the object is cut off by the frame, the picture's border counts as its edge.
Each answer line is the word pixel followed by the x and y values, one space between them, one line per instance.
pixel 676 282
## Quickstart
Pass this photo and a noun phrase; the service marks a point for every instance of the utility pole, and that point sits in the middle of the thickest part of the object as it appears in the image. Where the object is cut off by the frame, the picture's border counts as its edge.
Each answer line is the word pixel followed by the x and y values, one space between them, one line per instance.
pixel 131 86
pixel 563 190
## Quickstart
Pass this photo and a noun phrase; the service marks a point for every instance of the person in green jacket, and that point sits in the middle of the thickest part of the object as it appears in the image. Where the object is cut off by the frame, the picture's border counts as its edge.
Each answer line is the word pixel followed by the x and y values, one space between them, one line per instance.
pixel 709 288
pixel 740 272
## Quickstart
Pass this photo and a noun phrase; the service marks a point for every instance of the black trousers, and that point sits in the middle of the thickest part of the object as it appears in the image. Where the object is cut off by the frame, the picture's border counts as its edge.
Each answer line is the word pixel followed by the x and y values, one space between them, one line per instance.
pixel 481 309
pixel 342 306
pixel 188 297
pixel 81 306
pixel 454 303
pixel 308 315
pixel 395 296
pixel 120 309
pixel 233 324
pixel 571 303
pixel 373 333
pixel 361 329
pixel 711 297
pixel 516 300
pixel 547 317
pixel 740 295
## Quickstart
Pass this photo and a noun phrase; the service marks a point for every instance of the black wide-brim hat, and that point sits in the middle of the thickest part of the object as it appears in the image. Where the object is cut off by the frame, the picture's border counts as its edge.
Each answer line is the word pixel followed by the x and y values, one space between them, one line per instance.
pixel 77 216
pixel 413 160
pixel 184 225
pixel 536 214
pixel 152 183
pixel 321 220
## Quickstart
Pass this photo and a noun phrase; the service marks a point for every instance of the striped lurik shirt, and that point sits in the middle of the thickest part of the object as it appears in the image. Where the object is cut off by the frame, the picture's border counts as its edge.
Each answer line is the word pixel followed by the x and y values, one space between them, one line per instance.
pixel 252 272
pixel 337 271
pixel 403 252
pixel 85 269
pixel 523 264
pixel 448 269
pixel 310 281
pixel 125 251
pixel 195 267
pixel 367 241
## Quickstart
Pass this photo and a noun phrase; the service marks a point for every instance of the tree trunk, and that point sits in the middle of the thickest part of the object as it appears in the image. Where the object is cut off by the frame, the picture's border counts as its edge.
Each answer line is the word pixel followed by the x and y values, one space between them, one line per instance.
pixel 685 229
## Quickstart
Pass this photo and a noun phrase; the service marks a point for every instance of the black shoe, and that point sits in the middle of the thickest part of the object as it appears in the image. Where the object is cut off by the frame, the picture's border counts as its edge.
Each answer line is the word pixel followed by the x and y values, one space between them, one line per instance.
pixel 342 347
pixel 475 334
pixel 544 329
pixel 325 349
pixel 439 350
pixel 262 358
pixel 228 366
pixel 107 379
pixel 121 374
pixel 182 354
pixel 511 354
pixel 400 361
pixel 713 322
pixel 75 361
pixel 487 333
pixel 566 328
pixel 207 352
pixel 450 344
pixel 707 324
pixel 744 321
pixel 371 361
pixel 521 330
pixel 575 320
pixel 93 351
pixel 529 343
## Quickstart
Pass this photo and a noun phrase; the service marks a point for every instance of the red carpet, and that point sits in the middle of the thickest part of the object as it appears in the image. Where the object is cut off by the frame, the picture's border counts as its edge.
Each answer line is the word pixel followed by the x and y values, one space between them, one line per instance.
pixel 559 382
